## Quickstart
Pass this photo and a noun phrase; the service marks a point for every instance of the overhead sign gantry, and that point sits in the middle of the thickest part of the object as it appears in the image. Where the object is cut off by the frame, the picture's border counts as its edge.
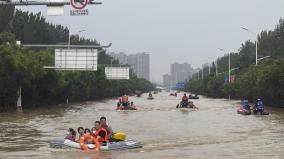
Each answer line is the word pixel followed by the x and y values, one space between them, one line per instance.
pixel 55 7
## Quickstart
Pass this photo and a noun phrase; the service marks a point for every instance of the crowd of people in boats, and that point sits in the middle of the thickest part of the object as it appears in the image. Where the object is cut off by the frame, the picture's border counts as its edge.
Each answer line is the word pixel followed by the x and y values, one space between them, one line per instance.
pixel 257 108
pixel 124 104
pixel 101 131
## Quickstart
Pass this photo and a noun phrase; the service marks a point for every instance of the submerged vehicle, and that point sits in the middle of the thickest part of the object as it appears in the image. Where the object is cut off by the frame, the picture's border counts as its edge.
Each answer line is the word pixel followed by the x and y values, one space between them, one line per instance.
pixel 127 144
pixel 150 98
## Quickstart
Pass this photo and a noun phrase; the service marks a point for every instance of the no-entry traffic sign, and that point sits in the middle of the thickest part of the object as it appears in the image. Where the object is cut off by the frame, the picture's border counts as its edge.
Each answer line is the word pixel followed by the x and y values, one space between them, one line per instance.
pixel 79 4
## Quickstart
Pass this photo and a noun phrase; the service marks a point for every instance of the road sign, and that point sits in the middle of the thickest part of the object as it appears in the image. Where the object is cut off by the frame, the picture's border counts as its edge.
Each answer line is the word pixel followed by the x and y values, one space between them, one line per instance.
pixel 55 10
pixel 180 85
pixel 76 59
pixel 232 78
pixel 79 12
pixel 117 73
pixel 79 4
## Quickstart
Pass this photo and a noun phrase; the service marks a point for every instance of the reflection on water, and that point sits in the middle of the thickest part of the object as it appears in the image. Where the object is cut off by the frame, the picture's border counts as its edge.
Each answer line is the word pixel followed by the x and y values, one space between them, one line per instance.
pixel 214 131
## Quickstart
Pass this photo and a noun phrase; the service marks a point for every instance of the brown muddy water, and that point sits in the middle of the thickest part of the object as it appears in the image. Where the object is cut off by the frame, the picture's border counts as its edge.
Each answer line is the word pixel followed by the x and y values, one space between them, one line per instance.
pixel 214 131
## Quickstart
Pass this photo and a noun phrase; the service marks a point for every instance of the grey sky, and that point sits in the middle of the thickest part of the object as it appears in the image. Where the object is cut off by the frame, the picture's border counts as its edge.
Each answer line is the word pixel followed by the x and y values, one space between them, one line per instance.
pixel 173 30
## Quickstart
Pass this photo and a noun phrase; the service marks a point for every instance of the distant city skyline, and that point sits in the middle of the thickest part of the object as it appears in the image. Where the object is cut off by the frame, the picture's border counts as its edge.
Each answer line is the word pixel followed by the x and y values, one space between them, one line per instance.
pixel 180 72
pixel 138 62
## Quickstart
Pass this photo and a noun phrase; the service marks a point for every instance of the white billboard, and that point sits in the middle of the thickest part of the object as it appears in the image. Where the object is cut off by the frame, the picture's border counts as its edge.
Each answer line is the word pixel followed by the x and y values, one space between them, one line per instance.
pixel 55 10
pixel 76 59
pixel 117 73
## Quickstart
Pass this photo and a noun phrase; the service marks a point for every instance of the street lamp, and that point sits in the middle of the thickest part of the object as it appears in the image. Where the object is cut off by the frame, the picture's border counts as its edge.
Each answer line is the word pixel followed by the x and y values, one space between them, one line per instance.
pixel 229 64
pixel 202 72
pixel 246 29
pixel 80 31
pixel 263 58
pixel 209 64
pixel 217 61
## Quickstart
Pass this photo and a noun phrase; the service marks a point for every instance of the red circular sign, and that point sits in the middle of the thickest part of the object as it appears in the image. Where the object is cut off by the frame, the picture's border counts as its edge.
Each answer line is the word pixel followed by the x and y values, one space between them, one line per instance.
pixel 79 4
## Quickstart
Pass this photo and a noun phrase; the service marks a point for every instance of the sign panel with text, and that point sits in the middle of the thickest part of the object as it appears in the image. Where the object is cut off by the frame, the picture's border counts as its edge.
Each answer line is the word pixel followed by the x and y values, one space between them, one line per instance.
pixel 76 59
pixel 117 73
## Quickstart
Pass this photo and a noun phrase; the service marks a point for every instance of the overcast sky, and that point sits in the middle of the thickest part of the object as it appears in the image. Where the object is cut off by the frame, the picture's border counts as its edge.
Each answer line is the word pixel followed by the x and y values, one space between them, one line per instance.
pixel 173 30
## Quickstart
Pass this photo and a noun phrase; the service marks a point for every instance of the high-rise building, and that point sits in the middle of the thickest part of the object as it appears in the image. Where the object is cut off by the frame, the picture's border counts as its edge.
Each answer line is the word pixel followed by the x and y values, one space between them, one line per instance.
pixel 139 63
pixel 181 72
pixel 121 57
pixel 167 80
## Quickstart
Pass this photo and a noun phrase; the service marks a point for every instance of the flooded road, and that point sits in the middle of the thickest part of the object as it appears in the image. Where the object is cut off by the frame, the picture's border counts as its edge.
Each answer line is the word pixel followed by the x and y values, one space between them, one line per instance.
pixel 214 131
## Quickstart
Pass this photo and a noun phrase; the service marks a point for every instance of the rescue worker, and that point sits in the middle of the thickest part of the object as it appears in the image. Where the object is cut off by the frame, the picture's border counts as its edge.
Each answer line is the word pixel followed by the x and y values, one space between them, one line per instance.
pixel 184 101
pixel 246 106
pixel 124 100
pixel 100 133
pixel 259 106
pixel 150 95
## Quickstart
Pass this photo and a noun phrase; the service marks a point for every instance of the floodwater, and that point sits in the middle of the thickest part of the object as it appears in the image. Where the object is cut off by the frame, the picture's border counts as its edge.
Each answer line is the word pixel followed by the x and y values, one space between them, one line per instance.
pixel 214 131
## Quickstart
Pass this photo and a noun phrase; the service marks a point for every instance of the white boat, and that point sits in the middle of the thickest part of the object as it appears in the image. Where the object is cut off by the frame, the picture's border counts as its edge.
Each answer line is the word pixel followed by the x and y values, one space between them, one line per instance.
pixel 127 144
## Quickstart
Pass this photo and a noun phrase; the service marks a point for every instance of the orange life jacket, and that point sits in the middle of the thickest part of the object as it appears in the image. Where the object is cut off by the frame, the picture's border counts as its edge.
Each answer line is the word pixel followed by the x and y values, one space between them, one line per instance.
pixel 124 99
pixel 105 126
pixel 102 139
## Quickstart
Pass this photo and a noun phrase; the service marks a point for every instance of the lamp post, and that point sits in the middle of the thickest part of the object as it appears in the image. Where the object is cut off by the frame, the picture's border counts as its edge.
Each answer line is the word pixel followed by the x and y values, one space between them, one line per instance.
pixel 229 69
pixel 222 50
pixel 80 31
pixel 263 58
pixel 202 72
pixel 198 74
pixel 216 66
pixel 246 29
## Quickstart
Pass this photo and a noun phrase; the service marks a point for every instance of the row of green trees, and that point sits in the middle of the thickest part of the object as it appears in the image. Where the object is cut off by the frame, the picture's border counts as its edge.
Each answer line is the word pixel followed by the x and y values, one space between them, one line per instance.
pixel 23 67
pixel 264 80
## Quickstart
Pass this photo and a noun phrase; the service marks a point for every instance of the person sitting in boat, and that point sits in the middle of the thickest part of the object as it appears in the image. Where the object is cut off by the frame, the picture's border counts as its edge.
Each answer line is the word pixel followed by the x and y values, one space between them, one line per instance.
pixel 100 133
pixel 184 101
pixel 106 126
pixel 246 106
pixel 150 95
pixel 71 135
pixel 80 131
pixel 259 106
pixel 87 131
pixel 124 100
pixel 119 102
